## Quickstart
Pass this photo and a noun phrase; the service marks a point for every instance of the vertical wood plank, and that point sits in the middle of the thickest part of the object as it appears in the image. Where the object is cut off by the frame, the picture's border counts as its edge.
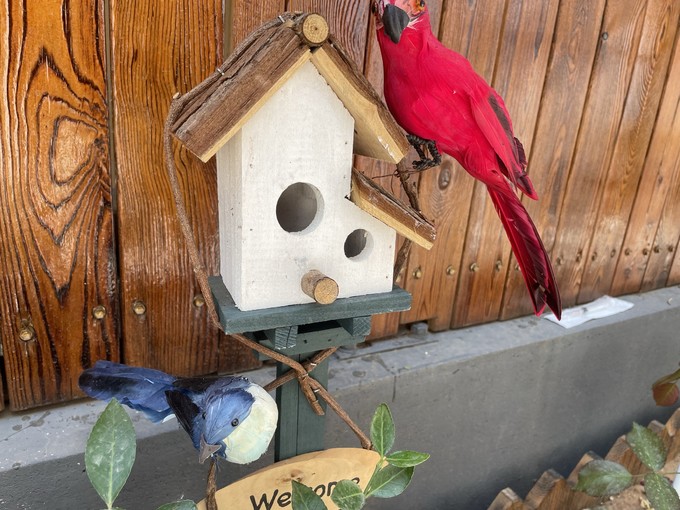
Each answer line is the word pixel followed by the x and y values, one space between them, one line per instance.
pixel 348 21
pixel 635 131
pixel 623 23
pixel 157 50
pixel 247 15
pixel 520 73
pixel 57 259
pixel 661 166
pixel 574 44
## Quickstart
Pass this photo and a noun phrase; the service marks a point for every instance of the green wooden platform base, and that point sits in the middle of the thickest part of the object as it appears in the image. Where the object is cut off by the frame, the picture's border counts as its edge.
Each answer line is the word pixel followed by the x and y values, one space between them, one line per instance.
pixel 300 331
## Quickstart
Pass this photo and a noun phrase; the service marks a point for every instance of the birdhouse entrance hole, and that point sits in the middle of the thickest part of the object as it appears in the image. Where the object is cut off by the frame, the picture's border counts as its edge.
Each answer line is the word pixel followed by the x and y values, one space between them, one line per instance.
pixel 358 243
pixel 299 207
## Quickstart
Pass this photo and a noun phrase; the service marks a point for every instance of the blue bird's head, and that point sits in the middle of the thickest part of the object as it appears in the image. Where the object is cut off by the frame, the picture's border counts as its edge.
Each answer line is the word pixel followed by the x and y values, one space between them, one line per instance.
pixel 239 424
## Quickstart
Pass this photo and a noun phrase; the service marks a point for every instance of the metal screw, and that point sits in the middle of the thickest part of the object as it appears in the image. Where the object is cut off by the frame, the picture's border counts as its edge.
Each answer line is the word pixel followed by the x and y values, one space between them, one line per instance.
pixel 645 252
pixel 613 254
pixel 626 252
pixel 26 333
pixel 450 271
pixel 199 300
pixel 657 249
pixel 516 267
pixel 579 255
pixel 670 249
pixel 605 36
pixel 593 257
pixel 99 312
pixel 138 307
pixel 474 267
pixel 559 261
pixel 499 265
pixel 418 273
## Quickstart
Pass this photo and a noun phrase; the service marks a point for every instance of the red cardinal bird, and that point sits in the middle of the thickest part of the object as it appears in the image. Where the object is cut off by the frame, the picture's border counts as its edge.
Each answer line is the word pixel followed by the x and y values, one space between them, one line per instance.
pixel 443 104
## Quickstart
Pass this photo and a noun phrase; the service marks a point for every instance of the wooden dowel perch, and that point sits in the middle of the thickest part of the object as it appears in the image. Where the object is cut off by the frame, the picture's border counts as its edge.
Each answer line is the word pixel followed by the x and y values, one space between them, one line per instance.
pixel 319 287
pixel 313 29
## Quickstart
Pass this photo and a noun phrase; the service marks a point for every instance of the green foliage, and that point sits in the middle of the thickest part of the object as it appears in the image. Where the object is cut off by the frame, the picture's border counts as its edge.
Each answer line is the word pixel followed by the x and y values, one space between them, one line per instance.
pixel 648 447
pixel 305 498
pixel 390 478
pixel 348 495
pixel 661 493
pixel 110 452
pixel 382 430
pixel 389 481
pixel 604 478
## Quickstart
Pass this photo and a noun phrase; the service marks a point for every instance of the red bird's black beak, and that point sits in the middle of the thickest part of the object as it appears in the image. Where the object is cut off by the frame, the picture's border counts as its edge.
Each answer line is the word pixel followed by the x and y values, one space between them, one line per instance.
pixel 395 20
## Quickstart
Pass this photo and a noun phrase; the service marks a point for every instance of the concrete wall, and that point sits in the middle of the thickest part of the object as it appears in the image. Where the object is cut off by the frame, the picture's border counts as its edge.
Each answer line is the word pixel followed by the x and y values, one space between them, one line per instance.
pixel 495 405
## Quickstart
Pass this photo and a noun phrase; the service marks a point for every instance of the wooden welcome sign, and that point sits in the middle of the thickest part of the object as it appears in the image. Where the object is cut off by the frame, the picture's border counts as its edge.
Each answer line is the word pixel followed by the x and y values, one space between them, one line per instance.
pixel 270 488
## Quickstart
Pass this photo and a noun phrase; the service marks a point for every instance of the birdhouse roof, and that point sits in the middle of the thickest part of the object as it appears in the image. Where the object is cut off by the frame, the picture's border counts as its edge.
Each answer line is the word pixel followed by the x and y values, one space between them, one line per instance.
pixel 216 109
pixel 260 66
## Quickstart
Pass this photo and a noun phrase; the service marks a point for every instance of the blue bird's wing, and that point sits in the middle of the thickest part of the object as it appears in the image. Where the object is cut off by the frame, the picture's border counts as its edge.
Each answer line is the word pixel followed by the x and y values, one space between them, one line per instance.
pixel 188 414
pixel 142 389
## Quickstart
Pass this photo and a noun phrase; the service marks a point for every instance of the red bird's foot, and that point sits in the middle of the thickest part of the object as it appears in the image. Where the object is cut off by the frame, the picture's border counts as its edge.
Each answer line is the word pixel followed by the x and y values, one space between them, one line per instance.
pixel 421 145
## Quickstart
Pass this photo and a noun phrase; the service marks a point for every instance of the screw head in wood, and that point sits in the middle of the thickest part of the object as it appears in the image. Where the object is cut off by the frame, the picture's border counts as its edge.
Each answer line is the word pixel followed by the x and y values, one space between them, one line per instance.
pixel 138 307
pixel 26 333
pixel 474 267
pixel 657 249
pixel 645 252
pixel 199 301
pixel 99 312
pixel 418 273
pixel 450 271
pixel 626 252
pixel 499 265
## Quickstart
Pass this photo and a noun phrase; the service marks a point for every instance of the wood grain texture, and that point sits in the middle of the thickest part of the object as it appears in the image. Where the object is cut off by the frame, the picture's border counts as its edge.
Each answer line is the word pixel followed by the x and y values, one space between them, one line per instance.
pixel 640 245
pixel 610 80
pixel 519 76
pixel 564 94
pixel 57 258
pixel 634 135
pixel 157 50
pixel 246 15
pixel 348 21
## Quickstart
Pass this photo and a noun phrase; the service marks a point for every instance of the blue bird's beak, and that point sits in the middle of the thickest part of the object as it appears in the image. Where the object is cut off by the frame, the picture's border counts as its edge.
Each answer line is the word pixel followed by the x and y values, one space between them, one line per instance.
pixel 207 450
pixel 395 20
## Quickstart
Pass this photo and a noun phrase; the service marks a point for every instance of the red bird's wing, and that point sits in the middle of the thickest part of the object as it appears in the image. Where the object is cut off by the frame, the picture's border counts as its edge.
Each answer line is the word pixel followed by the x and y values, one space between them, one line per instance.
pixel 493 120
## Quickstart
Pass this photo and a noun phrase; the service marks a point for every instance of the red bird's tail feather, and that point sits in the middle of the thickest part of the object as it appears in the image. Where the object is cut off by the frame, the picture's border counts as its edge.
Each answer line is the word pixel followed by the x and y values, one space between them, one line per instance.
pixel 529 251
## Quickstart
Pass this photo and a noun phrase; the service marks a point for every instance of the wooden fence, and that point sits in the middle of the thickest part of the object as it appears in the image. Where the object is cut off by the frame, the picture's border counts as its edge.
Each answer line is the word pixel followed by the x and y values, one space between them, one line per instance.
pixel 91 259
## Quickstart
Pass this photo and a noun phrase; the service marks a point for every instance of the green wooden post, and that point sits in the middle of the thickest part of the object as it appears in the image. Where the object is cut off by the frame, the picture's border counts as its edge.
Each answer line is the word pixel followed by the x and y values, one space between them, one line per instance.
pixel 301 331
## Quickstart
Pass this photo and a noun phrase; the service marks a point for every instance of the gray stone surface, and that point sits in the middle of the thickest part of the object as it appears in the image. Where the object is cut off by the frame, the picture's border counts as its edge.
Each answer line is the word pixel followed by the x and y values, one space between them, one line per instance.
pixel 495 405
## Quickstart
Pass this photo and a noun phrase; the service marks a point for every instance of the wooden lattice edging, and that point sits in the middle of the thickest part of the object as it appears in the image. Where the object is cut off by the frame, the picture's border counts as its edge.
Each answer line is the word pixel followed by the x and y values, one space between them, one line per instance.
pixel 554 492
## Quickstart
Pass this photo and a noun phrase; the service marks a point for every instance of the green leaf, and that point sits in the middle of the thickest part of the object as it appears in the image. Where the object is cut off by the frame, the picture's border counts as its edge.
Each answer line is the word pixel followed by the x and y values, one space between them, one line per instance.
pixel 661 493
pixel 110 452
pixel 382 430
pixel 648 447
pixel 305 498
pixel 407 458
pixel 389 481
pixel 603 478
pixel 348 496
pixel 184 504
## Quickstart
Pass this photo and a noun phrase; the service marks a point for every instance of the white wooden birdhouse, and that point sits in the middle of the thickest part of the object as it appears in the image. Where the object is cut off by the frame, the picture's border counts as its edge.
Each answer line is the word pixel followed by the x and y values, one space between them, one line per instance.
pixel 296 224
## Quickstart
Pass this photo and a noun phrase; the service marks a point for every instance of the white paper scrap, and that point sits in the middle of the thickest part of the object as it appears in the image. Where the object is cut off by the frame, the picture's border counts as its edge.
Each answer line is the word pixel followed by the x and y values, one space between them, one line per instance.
pixel 598 309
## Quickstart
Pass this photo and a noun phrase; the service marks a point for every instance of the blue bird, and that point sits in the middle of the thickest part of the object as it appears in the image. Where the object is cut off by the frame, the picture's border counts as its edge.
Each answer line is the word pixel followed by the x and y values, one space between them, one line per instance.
pixel 226 416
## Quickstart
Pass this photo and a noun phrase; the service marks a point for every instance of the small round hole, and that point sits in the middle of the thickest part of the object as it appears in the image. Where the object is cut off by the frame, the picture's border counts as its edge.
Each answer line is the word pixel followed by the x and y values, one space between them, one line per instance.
pixel 298 207
pixel 357 243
